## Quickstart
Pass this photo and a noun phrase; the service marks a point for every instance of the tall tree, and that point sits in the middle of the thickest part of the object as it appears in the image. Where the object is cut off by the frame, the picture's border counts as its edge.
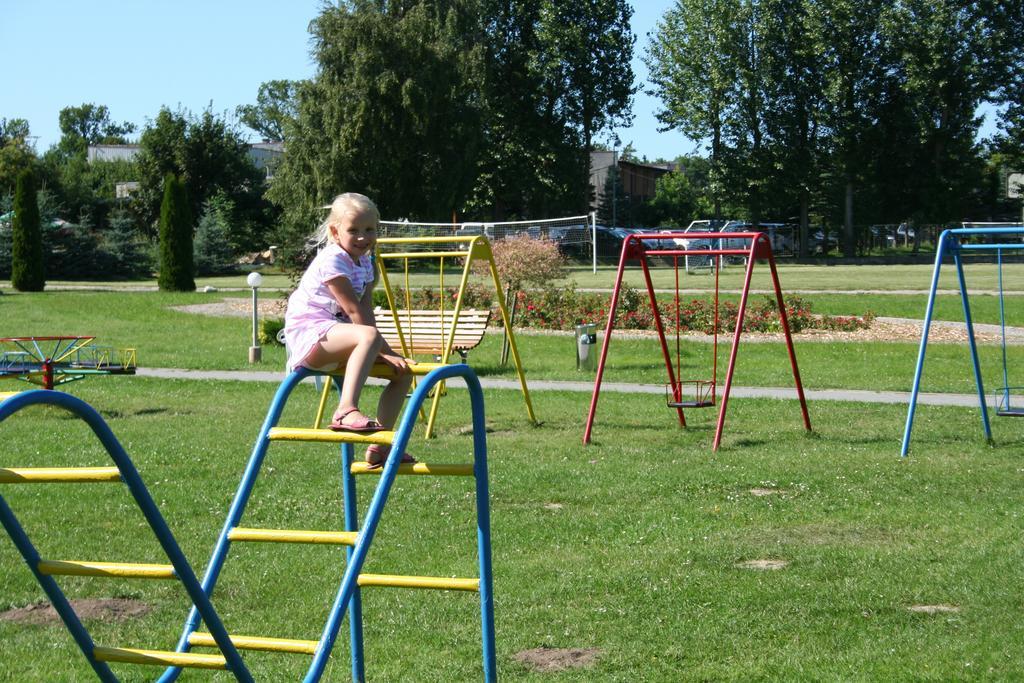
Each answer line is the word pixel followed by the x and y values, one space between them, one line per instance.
pixel 393 112
pixel 77 184
pixel 693 71
pixel 16 153
pixel 27 269
pixel 846 38
pixel 585 54
pixel 793 87
pixel 943 48
pixel 90 124
pixel 176 265
pixel 275 108
pixel 529 163
pixel 209 156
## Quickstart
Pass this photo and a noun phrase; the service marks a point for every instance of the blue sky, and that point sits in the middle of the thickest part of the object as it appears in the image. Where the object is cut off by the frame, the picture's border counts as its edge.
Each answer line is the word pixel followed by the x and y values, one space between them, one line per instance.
pixel 135 56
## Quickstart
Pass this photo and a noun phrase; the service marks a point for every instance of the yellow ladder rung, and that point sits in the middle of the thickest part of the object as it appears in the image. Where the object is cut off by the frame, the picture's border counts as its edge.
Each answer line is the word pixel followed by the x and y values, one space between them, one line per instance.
pixel 159 658
pixel 293 536
pixel 110 569
pixel 4 395
pixel 435 582
pixel 27 475
pixel 327 436
pixel 418 468
pixel 301 647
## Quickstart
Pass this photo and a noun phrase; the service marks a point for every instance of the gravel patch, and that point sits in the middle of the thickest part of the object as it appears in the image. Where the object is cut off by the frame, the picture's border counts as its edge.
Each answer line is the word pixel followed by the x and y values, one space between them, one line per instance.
pixel 881 330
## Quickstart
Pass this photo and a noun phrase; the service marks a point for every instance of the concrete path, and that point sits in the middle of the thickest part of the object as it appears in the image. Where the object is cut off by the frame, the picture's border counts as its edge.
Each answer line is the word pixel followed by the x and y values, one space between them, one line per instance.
pixel 587 387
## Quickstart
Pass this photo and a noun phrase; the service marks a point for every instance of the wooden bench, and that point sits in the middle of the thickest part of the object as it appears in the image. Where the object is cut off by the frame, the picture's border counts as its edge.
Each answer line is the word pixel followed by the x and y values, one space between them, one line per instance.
pixel 426 332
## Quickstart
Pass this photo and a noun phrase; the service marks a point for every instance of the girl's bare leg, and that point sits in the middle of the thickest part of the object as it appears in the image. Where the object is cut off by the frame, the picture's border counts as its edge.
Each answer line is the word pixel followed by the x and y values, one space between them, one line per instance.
pixel 391 400
pixel 357 347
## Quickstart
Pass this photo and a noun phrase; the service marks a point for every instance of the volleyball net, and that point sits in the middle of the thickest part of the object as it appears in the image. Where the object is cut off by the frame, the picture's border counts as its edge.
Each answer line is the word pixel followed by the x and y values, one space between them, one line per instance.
pixel 573 234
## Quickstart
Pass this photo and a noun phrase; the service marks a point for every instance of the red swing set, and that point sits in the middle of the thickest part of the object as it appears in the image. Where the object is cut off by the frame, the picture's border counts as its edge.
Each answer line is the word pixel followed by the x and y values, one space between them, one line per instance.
pixel 700 393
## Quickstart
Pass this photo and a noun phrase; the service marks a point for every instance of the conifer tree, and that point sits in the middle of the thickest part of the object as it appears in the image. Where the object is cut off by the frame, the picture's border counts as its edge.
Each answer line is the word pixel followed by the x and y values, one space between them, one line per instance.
pixel 125 250
pixel 27 272
pixel 176 265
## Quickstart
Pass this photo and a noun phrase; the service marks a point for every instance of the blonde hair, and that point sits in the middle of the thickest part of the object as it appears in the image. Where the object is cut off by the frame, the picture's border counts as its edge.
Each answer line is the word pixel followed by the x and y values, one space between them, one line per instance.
pixel 344 204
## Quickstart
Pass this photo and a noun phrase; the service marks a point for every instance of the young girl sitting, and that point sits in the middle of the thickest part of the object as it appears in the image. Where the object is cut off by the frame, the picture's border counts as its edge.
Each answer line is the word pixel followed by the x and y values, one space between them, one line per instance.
pixel 329 321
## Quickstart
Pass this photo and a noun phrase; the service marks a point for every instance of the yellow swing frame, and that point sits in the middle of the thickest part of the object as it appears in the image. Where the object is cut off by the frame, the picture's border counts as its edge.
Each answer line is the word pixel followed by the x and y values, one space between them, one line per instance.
pixel 471 248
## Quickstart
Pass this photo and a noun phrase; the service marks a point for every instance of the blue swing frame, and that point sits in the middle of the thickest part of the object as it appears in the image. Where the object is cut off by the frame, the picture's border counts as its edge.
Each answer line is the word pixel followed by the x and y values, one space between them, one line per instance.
pixel 950 242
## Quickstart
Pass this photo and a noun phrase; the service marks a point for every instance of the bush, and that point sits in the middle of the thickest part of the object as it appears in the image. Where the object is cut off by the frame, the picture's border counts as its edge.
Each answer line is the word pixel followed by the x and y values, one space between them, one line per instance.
pixel 522 260
pixel 268 329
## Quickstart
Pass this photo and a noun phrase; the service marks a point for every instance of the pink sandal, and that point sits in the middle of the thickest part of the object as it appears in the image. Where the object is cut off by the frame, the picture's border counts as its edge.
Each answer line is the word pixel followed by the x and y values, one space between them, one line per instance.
pixel 360 424
pixel 377 455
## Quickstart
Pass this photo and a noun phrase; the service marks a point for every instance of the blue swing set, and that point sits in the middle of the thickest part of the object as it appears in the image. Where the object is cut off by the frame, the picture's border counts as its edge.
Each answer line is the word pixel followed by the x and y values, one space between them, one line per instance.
pixel 955 243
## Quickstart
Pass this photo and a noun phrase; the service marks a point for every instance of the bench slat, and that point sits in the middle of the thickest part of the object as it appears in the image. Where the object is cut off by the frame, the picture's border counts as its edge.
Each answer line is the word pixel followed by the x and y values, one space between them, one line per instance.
pixel 427 331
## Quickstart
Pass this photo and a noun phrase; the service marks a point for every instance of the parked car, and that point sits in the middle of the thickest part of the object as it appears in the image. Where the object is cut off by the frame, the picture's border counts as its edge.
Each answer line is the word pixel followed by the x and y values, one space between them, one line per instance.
pixel 576 242
pixel 782 236
pixel 820 243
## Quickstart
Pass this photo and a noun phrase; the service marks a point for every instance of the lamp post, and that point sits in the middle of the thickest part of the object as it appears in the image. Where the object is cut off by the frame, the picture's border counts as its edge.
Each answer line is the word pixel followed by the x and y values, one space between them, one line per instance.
pixel 255 352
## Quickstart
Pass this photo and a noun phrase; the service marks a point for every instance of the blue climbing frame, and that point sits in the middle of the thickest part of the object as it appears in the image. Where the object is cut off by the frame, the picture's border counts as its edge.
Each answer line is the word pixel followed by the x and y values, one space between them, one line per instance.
pixel 952 242
pixel 348 594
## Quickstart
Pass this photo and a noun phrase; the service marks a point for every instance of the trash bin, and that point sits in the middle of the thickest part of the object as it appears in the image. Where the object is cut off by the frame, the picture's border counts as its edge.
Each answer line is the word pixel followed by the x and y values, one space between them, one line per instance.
pixel 586 346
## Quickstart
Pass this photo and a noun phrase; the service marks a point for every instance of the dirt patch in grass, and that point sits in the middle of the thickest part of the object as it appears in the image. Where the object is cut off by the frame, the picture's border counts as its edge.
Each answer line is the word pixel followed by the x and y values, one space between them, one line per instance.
pixel 825 534
pixel 760 492
pixel 103 609
pixel 237 307
pixel 934 609
pixel 763 565
pixel 557 658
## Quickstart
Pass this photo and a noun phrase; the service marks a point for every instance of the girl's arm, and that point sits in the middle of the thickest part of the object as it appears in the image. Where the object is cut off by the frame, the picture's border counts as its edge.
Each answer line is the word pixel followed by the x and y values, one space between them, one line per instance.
pixel 350 304
pixel 366 304
pixel 360 311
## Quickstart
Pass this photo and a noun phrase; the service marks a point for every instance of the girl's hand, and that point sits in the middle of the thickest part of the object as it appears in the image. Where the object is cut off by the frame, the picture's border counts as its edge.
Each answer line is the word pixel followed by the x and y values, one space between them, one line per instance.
pixel 397 363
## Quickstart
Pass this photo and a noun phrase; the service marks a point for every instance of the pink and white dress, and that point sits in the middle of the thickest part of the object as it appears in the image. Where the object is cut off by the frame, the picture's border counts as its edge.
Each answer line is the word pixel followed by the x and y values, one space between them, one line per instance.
pixel 312 309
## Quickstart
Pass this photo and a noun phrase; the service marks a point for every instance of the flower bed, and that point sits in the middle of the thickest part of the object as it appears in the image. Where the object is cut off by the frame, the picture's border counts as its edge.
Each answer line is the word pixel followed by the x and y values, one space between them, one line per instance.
pixel 561 309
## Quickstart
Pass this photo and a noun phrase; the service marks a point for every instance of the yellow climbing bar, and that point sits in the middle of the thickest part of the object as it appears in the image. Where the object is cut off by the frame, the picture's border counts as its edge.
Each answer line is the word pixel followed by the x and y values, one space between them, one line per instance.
pixel 300 647
pixel 423 254
pixel 27 475
pixel 159 658
pixel 418 468
pixel 327 436
pixel 110 569
pixel 434 582
pixel 4 395
pixel 293 536
pixel 428 240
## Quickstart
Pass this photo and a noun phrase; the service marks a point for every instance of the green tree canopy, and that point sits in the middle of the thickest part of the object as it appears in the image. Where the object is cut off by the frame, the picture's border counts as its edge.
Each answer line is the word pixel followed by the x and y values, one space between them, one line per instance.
pixel 392 113
pixel 274 110
pixel 16 153
pixel 209 156
pixel 585 49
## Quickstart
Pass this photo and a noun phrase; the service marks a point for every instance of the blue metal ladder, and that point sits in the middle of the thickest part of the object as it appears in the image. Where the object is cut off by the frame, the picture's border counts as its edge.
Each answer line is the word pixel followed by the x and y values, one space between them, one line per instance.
pixel 356 539
pixel 45 569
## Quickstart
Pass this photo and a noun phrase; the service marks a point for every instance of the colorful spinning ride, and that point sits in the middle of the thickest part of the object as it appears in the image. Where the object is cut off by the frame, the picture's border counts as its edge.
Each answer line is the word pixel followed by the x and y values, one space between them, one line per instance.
pixel 49 361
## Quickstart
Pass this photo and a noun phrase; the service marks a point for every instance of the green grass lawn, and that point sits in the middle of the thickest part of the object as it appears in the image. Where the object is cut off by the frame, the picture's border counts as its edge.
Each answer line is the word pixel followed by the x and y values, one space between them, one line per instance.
pixel 890 277
pixel 166 337
pixel 631 546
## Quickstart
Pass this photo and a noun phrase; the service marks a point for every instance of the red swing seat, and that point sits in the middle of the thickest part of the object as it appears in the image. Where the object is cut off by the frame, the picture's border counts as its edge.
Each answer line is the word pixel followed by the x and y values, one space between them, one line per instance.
pixel 701 393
